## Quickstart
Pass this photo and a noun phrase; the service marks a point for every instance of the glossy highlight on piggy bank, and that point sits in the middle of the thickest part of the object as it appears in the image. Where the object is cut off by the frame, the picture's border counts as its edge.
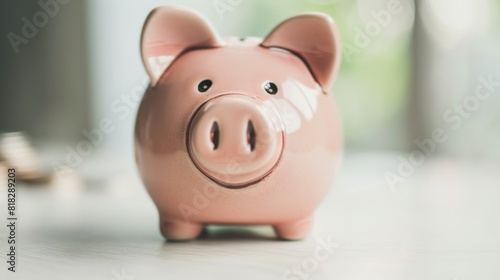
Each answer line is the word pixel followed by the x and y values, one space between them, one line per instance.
pixel 237 131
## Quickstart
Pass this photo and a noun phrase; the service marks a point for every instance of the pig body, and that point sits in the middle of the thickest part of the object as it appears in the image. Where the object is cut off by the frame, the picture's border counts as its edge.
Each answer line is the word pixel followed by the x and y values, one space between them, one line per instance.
pixel 237 131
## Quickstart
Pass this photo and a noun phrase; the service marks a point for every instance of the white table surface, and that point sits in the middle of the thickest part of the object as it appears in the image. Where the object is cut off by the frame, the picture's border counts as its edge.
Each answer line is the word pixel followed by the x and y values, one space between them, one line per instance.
pixel 442 223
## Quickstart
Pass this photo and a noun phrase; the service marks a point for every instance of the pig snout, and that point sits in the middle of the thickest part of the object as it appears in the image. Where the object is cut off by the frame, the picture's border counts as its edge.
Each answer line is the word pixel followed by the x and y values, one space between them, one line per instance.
pixel 232 139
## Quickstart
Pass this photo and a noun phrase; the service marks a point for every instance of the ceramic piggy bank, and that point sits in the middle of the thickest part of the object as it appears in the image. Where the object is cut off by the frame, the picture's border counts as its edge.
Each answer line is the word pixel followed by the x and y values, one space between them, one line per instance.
pixel 237 131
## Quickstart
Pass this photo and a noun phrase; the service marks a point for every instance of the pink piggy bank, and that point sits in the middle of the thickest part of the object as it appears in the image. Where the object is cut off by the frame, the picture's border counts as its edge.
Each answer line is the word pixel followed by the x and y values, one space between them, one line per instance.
pixel 237 131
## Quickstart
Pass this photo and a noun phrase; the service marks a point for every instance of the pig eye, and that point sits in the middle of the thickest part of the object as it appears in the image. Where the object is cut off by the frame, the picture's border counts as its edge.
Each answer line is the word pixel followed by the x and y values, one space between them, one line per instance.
pixel 271 88
pixel 204 85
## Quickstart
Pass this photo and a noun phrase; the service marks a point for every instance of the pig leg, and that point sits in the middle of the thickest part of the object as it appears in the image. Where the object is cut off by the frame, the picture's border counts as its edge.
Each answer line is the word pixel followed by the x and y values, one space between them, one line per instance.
pixel 180 231
pixel 294 230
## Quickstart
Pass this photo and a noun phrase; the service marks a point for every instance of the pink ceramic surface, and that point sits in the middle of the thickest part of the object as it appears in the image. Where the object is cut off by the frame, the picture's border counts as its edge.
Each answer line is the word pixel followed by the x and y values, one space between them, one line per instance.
pixel 237 131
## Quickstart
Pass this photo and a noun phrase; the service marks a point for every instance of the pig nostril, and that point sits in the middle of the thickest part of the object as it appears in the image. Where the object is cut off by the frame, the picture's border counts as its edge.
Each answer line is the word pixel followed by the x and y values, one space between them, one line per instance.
pixel 251 135
pixel 214 135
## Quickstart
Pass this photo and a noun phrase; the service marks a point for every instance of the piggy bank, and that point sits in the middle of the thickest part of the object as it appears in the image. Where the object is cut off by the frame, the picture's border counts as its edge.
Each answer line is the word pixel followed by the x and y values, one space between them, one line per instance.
pixel 237 130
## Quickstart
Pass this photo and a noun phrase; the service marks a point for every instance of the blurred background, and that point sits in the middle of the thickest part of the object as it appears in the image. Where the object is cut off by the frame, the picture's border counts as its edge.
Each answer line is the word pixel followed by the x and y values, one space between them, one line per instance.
pixel 71 79
pixel 69 65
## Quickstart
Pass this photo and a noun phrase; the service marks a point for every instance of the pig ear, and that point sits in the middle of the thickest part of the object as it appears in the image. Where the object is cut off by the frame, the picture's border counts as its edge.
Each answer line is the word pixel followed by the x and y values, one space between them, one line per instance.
pixel 313 37
pixel 170 31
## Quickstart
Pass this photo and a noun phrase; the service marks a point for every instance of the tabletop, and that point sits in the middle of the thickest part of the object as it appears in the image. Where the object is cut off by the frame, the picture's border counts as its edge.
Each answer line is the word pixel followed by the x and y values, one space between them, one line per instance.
pixel 439 221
